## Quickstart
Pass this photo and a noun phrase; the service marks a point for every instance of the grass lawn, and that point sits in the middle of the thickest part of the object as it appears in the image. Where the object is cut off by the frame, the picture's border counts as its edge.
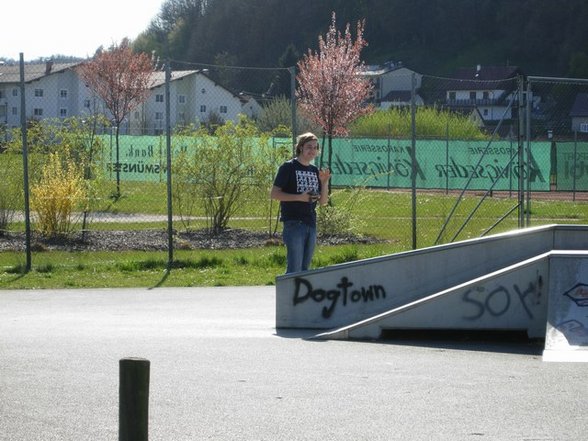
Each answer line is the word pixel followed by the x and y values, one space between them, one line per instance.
pixel 381 214
pixel 256 266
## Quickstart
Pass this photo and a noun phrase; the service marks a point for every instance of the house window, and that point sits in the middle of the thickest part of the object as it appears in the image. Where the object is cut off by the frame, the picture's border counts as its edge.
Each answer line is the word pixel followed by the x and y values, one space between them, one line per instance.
pixel 1 94
pixel 62 112
pixel 485 112
pixel 486 95
pixel 203 90
pixel 158 116
pixel 203 109
pixel 223 109
pixel 37 112
pixel 473 96
pixel 38 92
pixel 159 98
pixel 14 111
pixel 63 94
pixel 584 127
pixel 452 96
pixel 181 99
pixel 87 103
pixel 14 92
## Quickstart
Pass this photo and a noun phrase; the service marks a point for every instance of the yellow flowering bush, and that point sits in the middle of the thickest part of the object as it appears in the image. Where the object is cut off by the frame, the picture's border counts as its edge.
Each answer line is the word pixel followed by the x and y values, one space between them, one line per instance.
pixel 59 191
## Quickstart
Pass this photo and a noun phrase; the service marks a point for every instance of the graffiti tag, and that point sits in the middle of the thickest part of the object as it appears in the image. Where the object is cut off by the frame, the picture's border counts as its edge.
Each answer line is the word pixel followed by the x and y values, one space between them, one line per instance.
pixel 342 293
pixel 498 301
pixel 578 294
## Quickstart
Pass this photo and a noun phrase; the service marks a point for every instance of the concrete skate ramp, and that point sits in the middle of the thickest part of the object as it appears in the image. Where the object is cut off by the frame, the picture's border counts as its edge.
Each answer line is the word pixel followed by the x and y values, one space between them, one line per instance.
pixel 513 298
pixel 566 337
pixel 497 282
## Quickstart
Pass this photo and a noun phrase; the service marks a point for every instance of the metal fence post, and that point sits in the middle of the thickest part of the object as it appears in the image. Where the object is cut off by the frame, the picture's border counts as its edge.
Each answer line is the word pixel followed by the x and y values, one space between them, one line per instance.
pixel 292 71
pixel 170 238
pixel 133 399
pixel 25 164
pixel 530 162
pixel 413 159
pixel 521 151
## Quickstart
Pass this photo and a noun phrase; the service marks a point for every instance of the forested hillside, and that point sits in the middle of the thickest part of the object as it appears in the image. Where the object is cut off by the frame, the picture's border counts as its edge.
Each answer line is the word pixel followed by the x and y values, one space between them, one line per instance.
pixel 543 37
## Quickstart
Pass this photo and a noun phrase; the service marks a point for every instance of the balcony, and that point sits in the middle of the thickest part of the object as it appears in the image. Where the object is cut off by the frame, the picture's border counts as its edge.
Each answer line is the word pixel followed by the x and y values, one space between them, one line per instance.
pixel 474 102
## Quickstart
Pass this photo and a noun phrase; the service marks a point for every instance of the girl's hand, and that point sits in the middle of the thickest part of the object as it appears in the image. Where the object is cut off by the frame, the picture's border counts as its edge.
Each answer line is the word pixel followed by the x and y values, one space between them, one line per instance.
pixel 324 175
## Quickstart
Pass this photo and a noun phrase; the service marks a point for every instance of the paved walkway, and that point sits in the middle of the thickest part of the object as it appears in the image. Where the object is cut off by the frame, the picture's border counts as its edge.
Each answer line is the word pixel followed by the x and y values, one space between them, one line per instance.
pixel 220 371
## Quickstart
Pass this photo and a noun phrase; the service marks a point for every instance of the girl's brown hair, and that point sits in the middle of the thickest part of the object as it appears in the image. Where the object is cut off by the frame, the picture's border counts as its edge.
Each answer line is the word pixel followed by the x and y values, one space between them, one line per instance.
pixel 303 139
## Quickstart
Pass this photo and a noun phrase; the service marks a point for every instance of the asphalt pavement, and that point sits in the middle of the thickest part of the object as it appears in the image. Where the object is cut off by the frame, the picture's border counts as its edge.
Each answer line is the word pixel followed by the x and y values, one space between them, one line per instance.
pixel 221 371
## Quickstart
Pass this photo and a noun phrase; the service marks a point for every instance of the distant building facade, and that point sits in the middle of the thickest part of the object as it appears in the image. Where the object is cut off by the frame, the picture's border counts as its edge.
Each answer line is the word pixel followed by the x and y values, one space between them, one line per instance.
pixel 393 84
pixel 487 89
pixel 56 91
pixel 579 113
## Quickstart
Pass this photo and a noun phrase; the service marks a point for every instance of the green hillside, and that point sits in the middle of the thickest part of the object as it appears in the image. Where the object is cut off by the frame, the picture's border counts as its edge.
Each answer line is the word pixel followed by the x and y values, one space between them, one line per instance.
pixel 543 37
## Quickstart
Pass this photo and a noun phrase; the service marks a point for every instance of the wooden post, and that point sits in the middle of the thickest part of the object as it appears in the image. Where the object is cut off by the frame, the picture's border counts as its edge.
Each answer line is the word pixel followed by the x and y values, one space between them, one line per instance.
pixel 134 399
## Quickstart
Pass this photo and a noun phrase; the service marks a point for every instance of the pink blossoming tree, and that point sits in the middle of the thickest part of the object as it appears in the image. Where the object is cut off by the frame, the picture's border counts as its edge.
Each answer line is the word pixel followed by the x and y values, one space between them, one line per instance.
pixel 331 88
pixel 122 79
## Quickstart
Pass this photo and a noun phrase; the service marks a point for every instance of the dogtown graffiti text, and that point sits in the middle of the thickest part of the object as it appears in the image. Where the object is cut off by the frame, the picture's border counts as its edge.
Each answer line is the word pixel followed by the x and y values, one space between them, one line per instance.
pixel 305 291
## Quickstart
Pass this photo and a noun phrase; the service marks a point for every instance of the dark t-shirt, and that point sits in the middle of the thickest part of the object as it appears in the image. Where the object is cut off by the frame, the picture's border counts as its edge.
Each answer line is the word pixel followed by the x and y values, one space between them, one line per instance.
pixel 295 178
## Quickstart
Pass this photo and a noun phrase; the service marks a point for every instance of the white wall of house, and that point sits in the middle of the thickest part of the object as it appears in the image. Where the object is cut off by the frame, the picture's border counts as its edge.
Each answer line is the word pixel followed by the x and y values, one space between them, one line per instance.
pixel 395 79
pixel 10 105
pixel 580 124
pixel 495 113
pixel 193 99
pixel 484 101
pixel 398 79
pixel 52 96
pixel 251 108
pixel 216 99
pixel 58 95
pixel 418 101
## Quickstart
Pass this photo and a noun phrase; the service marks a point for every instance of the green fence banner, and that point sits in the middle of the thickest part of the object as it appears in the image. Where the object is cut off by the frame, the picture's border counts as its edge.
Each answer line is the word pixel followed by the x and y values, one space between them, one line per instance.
pixel 144 158
pixel 140 158
pixel 380 163
pixel 475 165
pixel 571 166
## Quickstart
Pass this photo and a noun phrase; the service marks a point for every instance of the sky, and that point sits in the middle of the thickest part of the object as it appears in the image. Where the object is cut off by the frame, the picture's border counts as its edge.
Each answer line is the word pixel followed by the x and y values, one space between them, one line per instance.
pixel 41 28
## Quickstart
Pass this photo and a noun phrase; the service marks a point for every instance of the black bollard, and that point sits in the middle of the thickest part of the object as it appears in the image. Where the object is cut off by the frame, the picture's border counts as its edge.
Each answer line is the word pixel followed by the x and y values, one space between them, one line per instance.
pixel 133 412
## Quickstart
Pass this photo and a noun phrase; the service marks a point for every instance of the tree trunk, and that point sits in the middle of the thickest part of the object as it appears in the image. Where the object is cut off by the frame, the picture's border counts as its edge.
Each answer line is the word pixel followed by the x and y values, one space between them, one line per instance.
pixel 330 160
pixel 117 194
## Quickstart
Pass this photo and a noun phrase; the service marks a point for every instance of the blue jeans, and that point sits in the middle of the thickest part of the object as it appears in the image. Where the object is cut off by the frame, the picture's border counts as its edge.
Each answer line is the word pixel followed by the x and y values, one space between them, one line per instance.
pixel 300 240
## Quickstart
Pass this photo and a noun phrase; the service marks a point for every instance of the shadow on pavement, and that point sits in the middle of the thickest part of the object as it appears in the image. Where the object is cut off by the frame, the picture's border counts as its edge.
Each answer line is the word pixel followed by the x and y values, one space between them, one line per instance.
pixel 307 334
pixel 511 342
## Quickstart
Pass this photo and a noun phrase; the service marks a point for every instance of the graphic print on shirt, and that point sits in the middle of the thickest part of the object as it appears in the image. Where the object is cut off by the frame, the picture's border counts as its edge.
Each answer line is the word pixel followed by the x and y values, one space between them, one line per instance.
pixel 306 181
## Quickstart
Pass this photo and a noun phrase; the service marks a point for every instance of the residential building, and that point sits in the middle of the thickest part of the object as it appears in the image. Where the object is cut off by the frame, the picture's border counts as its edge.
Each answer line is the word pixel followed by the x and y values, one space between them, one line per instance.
pixel 579 113
pixel 194 98
pixel 51 91
pixel 393 84
pixel 486 91
pixel 56 91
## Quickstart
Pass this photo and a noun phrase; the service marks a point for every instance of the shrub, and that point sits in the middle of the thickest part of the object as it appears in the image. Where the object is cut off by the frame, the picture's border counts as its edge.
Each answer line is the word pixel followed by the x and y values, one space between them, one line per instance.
pixel 11 188
pixel 186 192
pixel 58 192
pixel 430 123
pixel 74 137
pixel 276 116
pixel 227 170
pixel 339 219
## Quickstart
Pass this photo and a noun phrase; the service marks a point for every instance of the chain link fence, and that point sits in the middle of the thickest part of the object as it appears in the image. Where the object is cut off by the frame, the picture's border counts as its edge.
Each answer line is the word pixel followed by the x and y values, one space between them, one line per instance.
pixel 442 159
